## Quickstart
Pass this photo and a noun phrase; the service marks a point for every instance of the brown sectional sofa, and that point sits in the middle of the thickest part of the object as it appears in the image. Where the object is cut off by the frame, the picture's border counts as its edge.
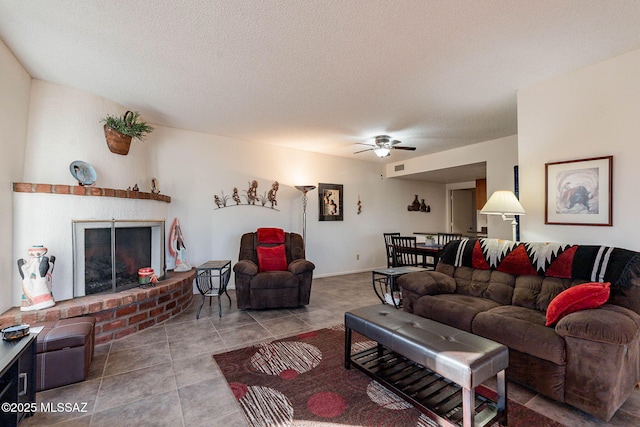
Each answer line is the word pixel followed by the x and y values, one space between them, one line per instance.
pixel 501 289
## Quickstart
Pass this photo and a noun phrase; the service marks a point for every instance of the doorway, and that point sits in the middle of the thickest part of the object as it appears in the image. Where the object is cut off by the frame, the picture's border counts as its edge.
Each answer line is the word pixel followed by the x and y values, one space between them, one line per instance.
pixel 463 211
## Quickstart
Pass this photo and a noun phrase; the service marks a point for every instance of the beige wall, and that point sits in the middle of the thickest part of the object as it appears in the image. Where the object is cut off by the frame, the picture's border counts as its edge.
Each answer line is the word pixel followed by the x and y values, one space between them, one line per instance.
pixel 191 167
pixel 196 166
pixel 500 155
pixel 590 112
pixel 14 108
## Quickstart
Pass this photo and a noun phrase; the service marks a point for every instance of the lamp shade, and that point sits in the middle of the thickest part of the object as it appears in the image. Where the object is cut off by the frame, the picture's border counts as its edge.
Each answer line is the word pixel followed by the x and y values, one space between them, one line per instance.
pixel 305 188
pixel 503 202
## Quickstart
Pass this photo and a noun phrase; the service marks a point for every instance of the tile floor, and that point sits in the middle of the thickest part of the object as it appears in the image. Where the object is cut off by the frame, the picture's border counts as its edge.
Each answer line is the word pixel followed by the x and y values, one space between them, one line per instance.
pixel 165 375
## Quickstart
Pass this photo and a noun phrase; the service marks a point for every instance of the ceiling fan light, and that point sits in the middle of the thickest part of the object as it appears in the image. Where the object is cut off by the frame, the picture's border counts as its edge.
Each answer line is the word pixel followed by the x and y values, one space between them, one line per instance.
pixel 382 152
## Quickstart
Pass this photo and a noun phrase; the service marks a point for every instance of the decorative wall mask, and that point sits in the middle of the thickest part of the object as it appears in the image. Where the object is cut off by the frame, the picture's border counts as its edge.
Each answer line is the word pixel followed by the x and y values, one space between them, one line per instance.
pixel 251 196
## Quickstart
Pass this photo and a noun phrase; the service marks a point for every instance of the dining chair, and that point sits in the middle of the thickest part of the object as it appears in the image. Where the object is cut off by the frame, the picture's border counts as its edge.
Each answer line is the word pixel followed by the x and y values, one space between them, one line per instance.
pixel 388 244
pixel 444 238
pixel 405 253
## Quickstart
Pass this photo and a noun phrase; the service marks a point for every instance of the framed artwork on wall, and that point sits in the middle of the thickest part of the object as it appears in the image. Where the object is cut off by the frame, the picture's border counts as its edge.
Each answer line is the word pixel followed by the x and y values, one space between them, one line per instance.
pixel 330 197
pixel 579 192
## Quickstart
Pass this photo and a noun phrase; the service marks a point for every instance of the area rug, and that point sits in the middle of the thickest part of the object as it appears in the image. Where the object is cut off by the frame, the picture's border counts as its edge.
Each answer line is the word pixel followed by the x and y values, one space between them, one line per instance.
pixel 301 381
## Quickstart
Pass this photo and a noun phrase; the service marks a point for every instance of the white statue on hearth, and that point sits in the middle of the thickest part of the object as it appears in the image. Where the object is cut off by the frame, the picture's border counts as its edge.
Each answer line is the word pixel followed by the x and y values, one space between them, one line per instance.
pixel 177 248
pixel 36 279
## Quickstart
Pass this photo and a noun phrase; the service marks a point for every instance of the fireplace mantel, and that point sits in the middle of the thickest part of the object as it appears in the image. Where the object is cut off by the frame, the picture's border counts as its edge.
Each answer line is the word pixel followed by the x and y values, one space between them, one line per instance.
pixel 76 190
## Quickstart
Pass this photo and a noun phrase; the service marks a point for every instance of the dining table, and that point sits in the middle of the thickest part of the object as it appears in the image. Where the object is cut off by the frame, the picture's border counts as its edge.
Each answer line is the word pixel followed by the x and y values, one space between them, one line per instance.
pixel 426 251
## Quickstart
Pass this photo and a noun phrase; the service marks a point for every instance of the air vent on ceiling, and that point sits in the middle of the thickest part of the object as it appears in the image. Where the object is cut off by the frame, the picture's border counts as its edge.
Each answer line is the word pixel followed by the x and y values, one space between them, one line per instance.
pixel 399 168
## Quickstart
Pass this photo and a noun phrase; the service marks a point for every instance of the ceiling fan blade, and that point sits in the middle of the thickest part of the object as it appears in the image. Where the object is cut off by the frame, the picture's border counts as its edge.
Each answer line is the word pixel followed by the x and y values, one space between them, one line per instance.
pixel 405 148
pixel 362 151
pixel 364 143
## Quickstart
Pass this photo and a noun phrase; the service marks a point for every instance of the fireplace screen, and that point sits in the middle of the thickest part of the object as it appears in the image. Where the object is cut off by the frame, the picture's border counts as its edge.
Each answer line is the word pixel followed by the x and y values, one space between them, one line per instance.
pixel 108 257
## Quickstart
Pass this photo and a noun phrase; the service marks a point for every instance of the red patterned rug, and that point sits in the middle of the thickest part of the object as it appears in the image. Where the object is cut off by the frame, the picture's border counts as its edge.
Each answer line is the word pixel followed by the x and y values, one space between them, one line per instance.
pixel 301 381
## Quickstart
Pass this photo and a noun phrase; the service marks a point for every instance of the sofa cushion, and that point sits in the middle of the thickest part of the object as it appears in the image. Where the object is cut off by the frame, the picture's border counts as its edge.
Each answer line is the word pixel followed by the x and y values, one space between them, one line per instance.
pixel 526 291
pixel 471 281
pixel 537 292
pixel 427 283
pixel 551 287
pixel 452 309
pixel 576 298
pixel 493 285
pixel 272 258
pixel 522 329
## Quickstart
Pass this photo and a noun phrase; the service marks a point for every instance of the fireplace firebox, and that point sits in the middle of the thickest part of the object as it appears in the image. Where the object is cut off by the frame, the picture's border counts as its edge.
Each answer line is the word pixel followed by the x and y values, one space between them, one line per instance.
pixel 108 254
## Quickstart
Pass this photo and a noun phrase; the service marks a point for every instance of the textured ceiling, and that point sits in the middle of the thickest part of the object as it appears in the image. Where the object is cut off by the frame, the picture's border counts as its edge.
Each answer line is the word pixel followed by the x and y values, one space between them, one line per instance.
pixel 319 75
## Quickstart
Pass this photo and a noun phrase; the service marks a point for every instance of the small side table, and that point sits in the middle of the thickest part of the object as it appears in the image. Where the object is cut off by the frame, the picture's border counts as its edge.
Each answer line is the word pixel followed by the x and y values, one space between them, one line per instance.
pixel 384 283
pixel 210 274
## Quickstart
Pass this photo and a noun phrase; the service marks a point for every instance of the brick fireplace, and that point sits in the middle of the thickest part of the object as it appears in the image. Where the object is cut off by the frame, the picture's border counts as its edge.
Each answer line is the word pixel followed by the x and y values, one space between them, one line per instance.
pixel 118 314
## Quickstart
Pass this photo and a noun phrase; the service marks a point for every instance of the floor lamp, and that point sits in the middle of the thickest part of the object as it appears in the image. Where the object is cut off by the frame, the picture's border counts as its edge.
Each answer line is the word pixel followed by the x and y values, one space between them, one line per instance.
pixel 504 203
pixel 305 189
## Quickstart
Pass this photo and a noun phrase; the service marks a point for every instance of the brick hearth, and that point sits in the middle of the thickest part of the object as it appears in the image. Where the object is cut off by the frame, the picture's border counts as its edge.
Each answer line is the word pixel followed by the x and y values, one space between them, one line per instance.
pixel 118 314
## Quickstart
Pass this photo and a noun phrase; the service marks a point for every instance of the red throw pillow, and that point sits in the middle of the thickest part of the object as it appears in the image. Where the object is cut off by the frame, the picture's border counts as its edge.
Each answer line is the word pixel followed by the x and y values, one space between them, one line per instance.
pixel 272 258
pixel 270 235
pixel 576 298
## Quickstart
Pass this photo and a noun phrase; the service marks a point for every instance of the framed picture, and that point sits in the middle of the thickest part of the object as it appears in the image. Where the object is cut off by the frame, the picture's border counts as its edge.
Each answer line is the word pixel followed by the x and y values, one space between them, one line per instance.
pixel 579 192
pixel 330 197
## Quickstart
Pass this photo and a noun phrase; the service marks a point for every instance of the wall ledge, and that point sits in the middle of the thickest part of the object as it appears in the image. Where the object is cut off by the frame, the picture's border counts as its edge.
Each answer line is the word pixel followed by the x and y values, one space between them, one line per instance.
pixel 76 190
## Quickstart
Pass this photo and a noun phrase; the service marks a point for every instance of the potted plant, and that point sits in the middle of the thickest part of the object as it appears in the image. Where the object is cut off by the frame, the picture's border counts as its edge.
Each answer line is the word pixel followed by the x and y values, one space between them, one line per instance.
pixel 119 130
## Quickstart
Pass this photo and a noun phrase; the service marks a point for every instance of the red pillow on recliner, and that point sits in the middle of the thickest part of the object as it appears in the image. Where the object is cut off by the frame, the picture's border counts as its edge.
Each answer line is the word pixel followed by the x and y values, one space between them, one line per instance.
pixel 270 235
pixel 272 258
pixel 576 298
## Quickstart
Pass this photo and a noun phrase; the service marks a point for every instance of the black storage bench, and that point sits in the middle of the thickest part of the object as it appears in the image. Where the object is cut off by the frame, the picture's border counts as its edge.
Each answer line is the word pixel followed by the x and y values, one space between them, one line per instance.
pixel 64 352
pixel 433 366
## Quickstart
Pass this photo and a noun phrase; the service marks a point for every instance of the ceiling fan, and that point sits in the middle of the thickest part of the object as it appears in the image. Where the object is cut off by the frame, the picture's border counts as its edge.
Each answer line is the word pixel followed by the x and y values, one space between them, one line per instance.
pixel 383 145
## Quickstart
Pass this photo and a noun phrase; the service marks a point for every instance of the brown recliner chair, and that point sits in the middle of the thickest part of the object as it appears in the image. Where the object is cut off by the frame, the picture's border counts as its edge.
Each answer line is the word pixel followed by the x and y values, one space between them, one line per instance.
pixel 272 271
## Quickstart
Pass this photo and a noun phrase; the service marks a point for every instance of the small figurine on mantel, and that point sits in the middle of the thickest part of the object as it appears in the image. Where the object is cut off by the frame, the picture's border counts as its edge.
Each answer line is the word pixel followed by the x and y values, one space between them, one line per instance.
pixel 177 248
pixel 36 279
pixel 155 187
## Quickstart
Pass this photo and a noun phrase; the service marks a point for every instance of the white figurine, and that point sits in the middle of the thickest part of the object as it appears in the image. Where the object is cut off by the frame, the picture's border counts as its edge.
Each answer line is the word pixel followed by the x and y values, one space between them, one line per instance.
pixel 36 279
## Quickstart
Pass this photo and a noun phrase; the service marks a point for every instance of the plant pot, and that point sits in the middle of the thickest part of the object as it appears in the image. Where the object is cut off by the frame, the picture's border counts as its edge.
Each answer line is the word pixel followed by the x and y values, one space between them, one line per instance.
pixel 117 142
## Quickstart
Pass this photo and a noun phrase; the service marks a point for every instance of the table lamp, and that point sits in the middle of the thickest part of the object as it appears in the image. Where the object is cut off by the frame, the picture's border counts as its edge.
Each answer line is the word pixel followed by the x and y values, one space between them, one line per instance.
pixel 504 203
